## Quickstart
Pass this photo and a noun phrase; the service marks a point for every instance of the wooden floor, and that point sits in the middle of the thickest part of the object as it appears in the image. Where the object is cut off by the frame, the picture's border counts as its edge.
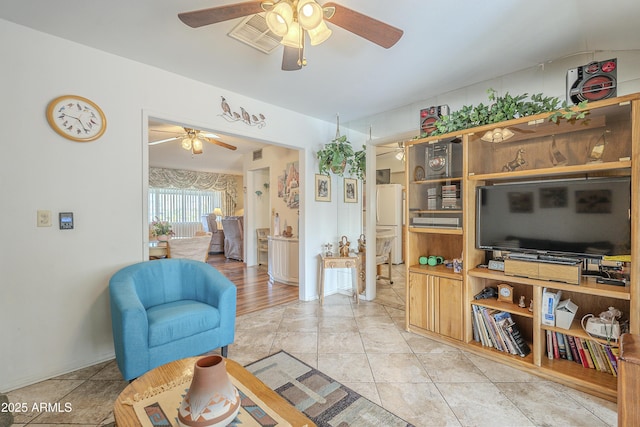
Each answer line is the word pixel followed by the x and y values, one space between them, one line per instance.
pixel 254 291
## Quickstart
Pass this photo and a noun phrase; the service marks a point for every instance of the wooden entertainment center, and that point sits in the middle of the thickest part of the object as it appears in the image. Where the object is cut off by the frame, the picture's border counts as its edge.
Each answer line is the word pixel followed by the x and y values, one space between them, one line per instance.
pixel 441 220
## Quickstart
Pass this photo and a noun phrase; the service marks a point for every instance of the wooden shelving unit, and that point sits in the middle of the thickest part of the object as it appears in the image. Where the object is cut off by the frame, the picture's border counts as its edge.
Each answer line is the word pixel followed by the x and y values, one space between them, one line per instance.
pixel 616 122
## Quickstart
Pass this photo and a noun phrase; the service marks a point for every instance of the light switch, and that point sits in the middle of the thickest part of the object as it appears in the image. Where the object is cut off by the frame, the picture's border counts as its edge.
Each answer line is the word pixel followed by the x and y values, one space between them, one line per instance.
pixel 44 218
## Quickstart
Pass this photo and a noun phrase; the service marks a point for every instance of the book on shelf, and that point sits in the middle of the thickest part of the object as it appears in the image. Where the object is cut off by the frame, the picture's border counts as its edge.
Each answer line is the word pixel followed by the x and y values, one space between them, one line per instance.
pixel 549 345
pixel 561 348
pixel 573 348
pixel 589 353
pixel 556 352
pixel 497 329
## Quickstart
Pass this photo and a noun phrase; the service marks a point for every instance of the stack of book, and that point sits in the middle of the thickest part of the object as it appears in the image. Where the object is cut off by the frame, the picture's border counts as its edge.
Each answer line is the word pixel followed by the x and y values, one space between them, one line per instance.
pixel 589 353
pixel 495 328
pixel 450 197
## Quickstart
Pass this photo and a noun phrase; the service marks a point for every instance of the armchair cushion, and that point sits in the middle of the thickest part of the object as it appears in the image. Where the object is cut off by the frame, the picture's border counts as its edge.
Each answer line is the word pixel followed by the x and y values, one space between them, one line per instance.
pixel 169 309
pixel 180 319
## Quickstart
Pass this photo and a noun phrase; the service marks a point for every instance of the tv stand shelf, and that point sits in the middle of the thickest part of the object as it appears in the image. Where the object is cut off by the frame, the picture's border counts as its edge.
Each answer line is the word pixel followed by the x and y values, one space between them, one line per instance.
pixel 586 286
pixel 441 304
pixel 553 171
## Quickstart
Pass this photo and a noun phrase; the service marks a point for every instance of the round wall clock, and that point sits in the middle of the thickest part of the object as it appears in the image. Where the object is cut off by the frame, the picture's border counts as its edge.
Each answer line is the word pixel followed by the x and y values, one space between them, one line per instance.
pixel 505 293
pixel 76 118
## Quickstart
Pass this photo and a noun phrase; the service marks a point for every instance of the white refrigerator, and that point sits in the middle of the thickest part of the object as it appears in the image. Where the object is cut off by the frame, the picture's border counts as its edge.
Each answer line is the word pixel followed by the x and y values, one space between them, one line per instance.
pixel 389 218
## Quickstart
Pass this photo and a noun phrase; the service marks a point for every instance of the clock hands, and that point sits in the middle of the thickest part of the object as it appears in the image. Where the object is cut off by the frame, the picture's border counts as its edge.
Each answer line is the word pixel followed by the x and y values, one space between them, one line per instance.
pixel 78 119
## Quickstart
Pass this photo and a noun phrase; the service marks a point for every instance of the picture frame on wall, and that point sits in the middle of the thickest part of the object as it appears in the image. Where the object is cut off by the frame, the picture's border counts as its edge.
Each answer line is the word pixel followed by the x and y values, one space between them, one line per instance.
pixel 350 190
pixel 323 188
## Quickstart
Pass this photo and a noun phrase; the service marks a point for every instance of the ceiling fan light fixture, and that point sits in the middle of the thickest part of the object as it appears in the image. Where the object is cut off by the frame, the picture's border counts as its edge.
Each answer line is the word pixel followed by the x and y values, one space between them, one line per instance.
pixel 186 143
pixel 280 18
pixel 309 14
pixel 196 146
pixel 293 38
pixel 319 34
pixel 328 12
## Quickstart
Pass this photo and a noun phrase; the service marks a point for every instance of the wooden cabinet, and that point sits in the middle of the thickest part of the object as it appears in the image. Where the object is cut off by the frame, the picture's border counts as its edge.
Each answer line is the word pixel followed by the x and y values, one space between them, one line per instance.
pixel 283 260
pixel 435 304
pixel 604 144
pixel 435 200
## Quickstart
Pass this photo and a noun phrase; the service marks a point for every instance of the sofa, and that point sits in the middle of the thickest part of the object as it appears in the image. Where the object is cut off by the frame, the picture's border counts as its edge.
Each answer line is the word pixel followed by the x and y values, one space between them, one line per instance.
pixel 169 309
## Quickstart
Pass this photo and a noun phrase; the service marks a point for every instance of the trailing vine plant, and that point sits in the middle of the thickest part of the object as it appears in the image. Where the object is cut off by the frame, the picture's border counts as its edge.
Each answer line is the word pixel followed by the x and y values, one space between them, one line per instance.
pixel 506 107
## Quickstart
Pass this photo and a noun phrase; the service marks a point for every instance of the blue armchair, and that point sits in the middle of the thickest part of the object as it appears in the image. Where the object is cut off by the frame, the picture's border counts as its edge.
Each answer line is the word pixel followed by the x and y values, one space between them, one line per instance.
pixel 169 309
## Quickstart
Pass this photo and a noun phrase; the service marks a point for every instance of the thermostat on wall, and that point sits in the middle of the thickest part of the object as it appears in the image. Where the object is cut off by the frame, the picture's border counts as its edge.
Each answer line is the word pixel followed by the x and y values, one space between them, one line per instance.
pixel 66 220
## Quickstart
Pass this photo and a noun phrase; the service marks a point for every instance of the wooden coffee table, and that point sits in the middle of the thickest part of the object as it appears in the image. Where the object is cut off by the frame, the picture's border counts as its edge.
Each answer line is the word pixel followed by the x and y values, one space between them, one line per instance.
pixel 125 415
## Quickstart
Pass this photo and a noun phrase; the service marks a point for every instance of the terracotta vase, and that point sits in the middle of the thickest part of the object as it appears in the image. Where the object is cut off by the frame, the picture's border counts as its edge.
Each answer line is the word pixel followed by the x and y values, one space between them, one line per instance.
pixel 212 400
pixel 163 238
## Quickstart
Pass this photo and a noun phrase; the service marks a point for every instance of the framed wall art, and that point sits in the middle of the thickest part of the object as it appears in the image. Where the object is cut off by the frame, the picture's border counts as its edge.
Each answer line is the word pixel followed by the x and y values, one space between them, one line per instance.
pixel 323 188
pixel 350 190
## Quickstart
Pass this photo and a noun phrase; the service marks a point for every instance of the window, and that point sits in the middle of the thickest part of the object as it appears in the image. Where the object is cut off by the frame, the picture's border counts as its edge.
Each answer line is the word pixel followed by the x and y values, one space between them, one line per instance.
pixel 183 208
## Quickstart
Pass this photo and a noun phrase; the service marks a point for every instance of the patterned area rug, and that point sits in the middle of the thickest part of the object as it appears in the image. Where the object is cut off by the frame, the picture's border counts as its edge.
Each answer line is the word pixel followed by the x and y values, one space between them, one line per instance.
pixel 321 398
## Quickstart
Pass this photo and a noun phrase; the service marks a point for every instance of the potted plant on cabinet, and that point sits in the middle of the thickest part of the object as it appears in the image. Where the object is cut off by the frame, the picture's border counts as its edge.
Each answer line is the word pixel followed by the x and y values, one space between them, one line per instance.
pixel 161 229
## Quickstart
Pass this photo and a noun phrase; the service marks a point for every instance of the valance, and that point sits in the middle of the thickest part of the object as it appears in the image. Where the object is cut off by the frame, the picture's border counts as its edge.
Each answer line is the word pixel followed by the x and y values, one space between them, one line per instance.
pixel 178 178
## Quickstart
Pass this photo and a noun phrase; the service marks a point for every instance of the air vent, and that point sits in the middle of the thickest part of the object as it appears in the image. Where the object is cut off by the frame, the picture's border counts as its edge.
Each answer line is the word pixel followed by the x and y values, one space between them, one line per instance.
pixel 257 155
pixel 253 31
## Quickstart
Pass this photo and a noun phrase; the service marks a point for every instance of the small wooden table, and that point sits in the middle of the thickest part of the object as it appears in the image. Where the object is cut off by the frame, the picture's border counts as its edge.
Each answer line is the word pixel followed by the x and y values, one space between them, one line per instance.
pixel 125 415
pixel 158 250
pixel 352 261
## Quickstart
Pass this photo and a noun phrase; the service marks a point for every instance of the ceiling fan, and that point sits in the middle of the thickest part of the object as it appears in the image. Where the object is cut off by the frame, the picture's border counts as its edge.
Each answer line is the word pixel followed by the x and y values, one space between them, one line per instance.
pixel 192 140
pixel 292 19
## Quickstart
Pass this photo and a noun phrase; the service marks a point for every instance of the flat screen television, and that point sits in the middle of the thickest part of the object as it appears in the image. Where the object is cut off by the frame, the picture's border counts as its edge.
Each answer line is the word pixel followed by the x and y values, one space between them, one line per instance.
pixel 383 176
pixel 585 217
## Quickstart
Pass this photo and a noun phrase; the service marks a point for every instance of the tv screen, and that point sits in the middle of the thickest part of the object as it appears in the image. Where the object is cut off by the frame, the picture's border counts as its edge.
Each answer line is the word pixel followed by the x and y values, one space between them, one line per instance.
pixel 587 217
pixel 383 176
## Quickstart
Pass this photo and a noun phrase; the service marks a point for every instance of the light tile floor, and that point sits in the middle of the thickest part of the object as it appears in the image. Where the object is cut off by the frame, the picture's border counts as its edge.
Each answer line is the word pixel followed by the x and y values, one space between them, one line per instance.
pixel 366 348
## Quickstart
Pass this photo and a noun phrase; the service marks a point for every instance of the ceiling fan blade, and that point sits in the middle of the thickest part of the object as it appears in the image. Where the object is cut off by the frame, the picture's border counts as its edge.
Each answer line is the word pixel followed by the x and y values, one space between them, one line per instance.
pixel 220 143
pixel 165 140
pixel 292 58
pixel 366 27
pixel 199 18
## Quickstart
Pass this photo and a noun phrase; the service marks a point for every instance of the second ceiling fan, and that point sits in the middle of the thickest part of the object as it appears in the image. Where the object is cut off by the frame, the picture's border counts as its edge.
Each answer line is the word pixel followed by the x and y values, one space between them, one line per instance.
pixel 192 140
pixel 293 20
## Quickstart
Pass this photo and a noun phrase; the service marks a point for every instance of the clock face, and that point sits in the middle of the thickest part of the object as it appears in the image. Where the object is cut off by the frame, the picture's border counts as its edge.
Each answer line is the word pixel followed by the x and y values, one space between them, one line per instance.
pixel 76 118
pixel 505 293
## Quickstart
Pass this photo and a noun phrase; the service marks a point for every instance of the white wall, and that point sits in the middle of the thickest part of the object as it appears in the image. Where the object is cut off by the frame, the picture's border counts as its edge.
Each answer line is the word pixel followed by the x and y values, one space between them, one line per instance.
pixel 548 79
pixel 54 306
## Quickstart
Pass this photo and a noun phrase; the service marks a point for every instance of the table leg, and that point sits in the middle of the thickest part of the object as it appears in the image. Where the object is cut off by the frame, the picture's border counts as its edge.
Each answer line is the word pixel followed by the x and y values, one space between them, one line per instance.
pixel 356 279
pixel 321 285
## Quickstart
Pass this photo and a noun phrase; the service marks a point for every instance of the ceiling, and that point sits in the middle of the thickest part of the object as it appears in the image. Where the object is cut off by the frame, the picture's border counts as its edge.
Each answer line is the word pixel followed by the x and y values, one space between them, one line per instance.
pixel 446 45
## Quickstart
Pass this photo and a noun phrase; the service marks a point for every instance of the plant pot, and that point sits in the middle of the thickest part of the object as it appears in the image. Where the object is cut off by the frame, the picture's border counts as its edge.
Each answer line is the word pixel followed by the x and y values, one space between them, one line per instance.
pixel 163 238
pixel 212 400
pixel 339 170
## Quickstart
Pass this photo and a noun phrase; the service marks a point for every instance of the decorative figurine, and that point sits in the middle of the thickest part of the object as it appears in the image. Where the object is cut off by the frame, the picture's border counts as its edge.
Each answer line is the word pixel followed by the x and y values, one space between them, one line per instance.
pixel 522 303
pixel 515 163
pixel 598 150
pixel 344 246
pixel 328 249
pixel 531 306
pixel 362 243
pixel 557 158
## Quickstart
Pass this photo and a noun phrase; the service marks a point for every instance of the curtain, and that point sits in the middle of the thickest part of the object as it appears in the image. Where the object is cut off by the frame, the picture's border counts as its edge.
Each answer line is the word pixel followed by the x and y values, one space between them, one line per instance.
pixel 185 179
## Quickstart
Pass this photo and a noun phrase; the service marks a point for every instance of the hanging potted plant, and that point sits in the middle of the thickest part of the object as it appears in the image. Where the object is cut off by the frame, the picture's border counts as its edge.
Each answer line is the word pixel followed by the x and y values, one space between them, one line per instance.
pixel 335 156
pixel 338 154
pixel 359 166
